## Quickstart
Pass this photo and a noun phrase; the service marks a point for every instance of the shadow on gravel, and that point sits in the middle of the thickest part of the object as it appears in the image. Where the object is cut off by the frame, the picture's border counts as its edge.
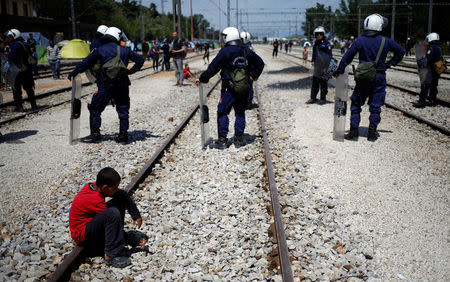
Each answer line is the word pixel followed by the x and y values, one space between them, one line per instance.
pixel 302 83
pixel 296 69
pixel 14 137
pixel 249 139
pixel 364 131
pixel 136 135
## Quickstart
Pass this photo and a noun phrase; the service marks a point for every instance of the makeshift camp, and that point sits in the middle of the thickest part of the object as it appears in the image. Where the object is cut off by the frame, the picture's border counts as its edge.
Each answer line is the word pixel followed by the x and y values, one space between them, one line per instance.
pixel 75 49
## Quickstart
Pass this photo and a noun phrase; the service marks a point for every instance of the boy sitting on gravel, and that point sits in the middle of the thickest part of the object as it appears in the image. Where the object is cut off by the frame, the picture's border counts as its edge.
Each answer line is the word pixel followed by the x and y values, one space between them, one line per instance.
pixel 98 226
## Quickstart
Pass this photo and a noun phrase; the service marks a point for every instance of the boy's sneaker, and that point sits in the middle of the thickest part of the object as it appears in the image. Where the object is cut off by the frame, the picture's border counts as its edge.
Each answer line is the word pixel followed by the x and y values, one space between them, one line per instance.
pixel 118 262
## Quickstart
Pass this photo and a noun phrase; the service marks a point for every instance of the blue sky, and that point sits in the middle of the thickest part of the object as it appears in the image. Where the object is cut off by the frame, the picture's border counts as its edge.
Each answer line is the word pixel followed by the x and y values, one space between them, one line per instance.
pixel 268 24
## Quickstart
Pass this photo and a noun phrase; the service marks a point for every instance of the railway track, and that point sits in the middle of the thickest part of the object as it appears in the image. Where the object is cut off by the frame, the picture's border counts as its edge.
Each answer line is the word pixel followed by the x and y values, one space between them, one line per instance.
pixel 407 113
pixel 62 90
pixel 282 258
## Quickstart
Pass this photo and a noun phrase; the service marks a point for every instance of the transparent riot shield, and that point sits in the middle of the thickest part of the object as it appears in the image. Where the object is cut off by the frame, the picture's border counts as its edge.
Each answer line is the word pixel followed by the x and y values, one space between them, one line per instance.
pixel 321 64
pixel 204 117
pixel 421 59
pixel 340 107
pixel 75 111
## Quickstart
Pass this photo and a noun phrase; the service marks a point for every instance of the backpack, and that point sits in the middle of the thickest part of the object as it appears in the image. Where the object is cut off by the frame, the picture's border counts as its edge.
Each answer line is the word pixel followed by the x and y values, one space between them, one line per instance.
pixel 367 71
pixel 28 59
pixel 239 78
pixel 114 69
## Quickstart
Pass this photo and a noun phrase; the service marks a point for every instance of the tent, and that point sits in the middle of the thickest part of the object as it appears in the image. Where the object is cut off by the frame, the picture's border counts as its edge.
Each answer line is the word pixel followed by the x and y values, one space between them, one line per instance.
pixel 41 51
pixel 41 40
pixel 75 49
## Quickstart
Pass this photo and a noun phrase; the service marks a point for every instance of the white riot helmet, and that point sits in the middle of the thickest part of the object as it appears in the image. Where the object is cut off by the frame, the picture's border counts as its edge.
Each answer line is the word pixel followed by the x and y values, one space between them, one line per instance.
pixel 114 32
pixel 432 37
pixel 102 29
pixel 245 37
pixel 375 22
pixel 230 34
pixel 352 37
pixel 319 29
pixel 14 33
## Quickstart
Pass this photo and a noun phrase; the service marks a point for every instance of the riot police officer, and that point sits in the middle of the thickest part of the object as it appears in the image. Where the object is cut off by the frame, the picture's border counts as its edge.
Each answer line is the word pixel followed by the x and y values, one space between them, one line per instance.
pixel 370 45
pixel 228 60
pixel 433 55
pixel 116 90
pixel 101 30
pixel 245 37
pixel 19 55
pixel 321 54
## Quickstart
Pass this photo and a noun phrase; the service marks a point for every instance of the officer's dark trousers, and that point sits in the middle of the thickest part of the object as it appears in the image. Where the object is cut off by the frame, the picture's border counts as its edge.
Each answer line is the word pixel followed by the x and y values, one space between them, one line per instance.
pixel 25 80
pixel 166 62
pixel 104 233
pixel 376 92
pixel 316 83
pixel 430 86
pixel 120 95
pixel 227 101
pixel 275 52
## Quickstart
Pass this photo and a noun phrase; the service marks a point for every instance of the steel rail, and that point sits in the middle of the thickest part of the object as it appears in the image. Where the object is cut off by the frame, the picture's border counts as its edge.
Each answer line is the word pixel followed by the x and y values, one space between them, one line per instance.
pixel 283 253
pixel 64 270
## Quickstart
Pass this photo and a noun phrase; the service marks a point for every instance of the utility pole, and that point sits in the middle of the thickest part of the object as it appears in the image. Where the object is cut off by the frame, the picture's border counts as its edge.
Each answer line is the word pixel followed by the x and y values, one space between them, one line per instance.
pixel 228 13
pixel 142 21
pixel 192 24
pixel 72 8
pixel 174 12
pixel 163 20
pixel 179 19
pixel 393 20
pixel 359 19
pixel 237 14
pixel 430 16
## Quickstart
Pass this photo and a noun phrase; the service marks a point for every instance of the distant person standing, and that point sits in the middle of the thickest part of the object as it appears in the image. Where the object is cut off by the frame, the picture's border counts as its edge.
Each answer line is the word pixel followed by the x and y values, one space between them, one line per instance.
pixel 178 50
pixel 53 57
pixel 19 54
pixel 290 46
pixel 206 54
pixel 433 56
pixel 321 54
pixel 305 54
pixel 31 42
pixel 155 56
pixel 286 47
pixel 408 46
pixel 342 45
pixel 166 56
pixel 145 49
pixel 275 48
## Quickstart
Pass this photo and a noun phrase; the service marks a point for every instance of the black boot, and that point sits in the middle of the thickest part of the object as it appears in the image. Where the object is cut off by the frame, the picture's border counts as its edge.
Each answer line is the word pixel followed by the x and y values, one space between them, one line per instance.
pixel 311 101
pixel 239 141
pixel 352 133
pixel 220 144
pixel 122 138
pixel 420 104
pixel 321 102
pixel 372 135
pixel 95 137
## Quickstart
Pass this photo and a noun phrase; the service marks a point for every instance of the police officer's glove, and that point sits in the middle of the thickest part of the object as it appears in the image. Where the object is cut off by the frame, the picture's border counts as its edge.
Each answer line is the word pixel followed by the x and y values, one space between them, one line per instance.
pixel 388 66
pixel 336 74
pixel 130 72
pixel 69 77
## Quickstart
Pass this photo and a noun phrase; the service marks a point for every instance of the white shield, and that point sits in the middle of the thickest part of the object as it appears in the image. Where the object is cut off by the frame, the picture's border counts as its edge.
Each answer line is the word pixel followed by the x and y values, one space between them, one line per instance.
pixel 340 107
pixel 75 112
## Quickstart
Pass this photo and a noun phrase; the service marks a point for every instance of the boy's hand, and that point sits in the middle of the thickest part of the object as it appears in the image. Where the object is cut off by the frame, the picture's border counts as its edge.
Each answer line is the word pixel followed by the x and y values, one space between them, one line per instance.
pixel 138 222
pixel 197 82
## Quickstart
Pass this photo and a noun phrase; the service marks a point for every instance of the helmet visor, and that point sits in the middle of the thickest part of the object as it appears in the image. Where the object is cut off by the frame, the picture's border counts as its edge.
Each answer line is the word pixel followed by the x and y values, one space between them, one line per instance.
pixel 385 21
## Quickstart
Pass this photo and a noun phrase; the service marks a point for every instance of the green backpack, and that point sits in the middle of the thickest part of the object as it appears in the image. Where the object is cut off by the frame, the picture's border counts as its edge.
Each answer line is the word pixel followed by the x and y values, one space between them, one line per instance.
pixel 367 71
pixel 239 78
pixel 114 69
